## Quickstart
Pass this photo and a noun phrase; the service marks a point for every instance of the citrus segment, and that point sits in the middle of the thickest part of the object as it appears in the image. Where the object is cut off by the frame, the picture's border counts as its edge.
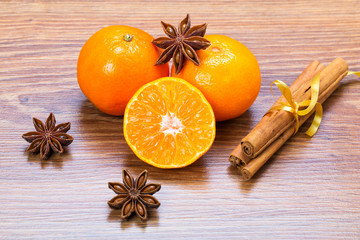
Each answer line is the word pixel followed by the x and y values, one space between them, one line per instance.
pixel 198 136
pixel 143 113
pixel 168 123
pixel 151 97
pixel 165 154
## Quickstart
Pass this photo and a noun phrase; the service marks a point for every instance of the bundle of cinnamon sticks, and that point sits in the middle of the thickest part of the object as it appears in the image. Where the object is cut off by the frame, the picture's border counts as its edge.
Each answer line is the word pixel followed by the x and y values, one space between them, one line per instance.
pixel 276 127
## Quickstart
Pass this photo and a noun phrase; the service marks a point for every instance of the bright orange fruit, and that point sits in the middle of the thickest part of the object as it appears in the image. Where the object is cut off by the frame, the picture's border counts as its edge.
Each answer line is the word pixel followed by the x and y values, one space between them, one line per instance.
pixel 168 123
pixel 114 63
pixel 228 76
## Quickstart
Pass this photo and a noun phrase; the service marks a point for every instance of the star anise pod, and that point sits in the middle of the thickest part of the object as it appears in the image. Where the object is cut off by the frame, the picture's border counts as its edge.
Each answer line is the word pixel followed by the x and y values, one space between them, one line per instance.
pixel 48 138
pixel 181 43
pixel 134 195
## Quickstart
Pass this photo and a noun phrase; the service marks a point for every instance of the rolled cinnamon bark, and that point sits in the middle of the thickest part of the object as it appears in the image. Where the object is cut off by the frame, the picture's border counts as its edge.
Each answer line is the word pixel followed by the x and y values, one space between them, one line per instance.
pixel 248 171
pixel 273 124
pixel 330 77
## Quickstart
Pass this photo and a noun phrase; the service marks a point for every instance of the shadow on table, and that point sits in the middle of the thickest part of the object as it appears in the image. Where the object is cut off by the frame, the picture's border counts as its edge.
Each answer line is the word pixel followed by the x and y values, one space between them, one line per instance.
pixel 55 160
pixel 194 174
pixel 233 130
pixel 134 221
pixel 103 132
pixel 338 94
pixel 92 120
pixel 247 186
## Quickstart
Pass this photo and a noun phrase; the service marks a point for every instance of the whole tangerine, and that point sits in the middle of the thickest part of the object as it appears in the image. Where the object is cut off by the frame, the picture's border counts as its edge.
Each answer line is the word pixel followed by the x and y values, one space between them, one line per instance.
pixel 228 76
pixel 114 63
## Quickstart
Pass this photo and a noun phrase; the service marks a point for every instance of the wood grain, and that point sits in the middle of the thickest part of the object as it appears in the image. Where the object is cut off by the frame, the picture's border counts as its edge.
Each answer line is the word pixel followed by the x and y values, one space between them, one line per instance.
pixel 309 190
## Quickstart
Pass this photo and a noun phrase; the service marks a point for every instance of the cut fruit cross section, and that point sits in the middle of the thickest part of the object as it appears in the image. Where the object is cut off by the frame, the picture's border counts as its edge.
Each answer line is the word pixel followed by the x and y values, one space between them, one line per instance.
pixel 168 123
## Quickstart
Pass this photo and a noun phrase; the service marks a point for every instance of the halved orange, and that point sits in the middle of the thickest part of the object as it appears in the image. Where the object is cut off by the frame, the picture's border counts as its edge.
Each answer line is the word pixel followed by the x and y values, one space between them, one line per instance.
pixel 168 123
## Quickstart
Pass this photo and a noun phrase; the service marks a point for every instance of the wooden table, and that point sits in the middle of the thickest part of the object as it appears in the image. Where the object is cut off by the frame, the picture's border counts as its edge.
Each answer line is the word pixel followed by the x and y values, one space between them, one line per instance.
pixel 309 190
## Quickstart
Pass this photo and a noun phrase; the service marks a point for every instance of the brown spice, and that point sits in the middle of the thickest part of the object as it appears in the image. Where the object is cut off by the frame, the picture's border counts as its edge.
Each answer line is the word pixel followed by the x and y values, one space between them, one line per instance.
pixel 248 165
pixel 272 125
pixel 181 43
pixel 134 195
pixel 48 138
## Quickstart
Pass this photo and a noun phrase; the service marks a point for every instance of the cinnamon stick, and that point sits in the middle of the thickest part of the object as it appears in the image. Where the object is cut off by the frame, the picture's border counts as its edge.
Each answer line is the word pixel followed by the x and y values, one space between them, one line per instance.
pixel 248 171
pixel 272 125
pixel 329 77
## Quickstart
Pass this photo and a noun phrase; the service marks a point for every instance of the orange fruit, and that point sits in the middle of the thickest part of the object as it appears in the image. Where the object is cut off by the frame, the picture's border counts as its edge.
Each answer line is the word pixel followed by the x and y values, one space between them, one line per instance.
pixel 168 123
pixel 228 76
pixel 114 63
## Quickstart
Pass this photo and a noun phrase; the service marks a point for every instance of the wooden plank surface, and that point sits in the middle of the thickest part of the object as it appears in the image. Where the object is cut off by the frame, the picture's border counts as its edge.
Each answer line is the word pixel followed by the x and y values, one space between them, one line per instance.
pixel 309 190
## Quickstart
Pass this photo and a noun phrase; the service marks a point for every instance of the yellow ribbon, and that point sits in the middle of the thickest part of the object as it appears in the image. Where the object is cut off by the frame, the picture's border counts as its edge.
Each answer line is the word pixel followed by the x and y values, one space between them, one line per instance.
pixel 293 107
pixel 356 73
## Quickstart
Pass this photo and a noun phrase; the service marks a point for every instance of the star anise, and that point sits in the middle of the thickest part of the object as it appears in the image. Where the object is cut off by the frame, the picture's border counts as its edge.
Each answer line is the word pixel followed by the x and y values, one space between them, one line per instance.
pixel 181 43
pixel 48 138
pixel 134 195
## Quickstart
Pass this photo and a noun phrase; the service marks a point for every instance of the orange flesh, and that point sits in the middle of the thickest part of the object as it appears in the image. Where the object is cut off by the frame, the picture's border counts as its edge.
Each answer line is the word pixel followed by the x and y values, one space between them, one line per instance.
pixel 169 124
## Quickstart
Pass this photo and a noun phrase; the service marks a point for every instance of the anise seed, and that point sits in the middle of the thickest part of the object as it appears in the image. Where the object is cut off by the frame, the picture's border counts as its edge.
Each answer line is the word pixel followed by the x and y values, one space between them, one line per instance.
pixel 149 188
pixel 149 200
pixel 183 27
pixel 127 208
pixel 189 52
pixel 128 180
pixel 140 209
pixel 170 30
